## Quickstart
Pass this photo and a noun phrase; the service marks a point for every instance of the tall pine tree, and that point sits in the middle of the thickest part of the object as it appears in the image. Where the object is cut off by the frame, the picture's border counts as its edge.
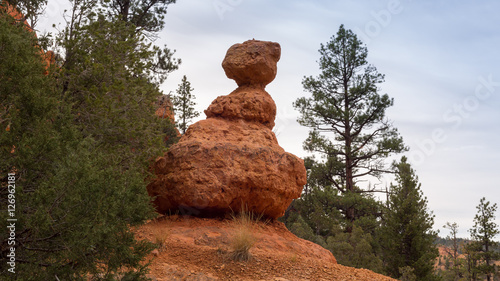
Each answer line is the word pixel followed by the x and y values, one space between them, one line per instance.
pixel 407 238
pixel 346 115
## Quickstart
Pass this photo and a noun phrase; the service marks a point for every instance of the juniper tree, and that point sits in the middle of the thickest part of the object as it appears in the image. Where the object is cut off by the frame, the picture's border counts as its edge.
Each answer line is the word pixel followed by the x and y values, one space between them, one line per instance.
pixel 109 81
pixel 346 115
pixel 36 133
pixel 141 19
pixel 109 78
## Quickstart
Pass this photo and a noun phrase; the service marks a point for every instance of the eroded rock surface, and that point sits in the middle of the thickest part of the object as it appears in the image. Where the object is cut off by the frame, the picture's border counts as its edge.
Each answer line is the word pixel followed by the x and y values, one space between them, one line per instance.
pixel 248 103
pixel 232 160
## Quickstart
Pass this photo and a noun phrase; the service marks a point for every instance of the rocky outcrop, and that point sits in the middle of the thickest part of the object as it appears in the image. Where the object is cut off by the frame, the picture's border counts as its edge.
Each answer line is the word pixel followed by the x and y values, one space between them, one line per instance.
pixel 232 160
pixel 165 108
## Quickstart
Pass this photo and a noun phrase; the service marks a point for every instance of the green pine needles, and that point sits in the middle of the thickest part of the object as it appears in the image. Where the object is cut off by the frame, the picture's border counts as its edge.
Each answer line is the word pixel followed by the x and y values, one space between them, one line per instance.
pixel 79 141
pixel 184 104
pixel 483 250
pixel 407 237
pixel 346 114
pixel 354 139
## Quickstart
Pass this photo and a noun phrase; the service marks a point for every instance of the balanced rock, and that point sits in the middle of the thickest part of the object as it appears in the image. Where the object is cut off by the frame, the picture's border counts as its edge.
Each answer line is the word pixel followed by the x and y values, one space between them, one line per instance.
pixel 232 160
pixel 252 63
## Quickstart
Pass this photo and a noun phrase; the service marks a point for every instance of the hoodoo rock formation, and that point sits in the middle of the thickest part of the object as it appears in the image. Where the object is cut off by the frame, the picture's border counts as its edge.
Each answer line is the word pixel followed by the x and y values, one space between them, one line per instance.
pixel 232 159
pixel 165 108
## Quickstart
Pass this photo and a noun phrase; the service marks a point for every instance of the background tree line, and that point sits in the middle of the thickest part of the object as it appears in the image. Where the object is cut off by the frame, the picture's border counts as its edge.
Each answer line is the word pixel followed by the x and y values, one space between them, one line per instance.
pixel 476 258
pixel 351 140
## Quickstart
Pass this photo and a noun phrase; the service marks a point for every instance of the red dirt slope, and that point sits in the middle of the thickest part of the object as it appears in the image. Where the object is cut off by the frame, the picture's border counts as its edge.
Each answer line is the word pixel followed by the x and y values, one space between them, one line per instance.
pixel 198 249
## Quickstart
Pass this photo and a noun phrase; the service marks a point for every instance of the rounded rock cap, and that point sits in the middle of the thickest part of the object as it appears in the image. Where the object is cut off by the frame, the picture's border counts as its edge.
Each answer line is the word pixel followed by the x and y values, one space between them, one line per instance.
pixel 252 63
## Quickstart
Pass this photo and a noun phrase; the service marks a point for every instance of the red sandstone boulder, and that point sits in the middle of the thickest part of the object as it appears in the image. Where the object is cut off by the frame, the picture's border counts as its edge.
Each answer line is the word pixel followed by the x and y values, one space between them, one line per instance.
pixel 220 166
pixel 232 159
pixel 247 103
pixel 165 108
pixel 252 63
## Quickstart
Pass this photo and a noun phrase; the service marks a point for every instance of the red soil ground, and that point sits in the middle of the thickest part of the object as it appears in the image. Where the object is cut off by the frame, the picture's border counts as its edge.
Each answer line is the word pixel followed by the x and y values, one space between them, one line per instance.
pixel 199 249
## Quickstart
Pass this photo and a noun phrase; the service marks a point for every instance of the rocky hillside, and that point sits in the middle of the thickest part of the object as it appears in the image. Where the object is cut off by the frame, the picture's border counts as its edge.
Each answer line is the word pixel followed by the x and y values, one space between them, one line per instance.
pixel 191 248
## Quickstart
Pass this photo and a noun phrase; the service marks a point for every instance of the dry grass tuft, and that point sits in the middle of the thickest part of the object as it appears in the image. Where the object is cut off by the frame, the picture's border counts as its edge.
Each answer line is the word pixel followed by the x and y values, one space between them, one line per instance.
pixel 244 238
pixel 294 258
pixel 160 237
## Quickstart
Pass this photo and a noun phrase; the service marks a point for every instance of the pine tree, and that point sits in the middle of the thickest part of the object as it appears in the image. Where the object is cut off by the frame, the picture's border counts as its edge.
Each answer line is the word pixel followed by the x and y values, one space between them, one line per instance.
pixel 67 197
pixel 145 15
pixel 472 258
pixel 347 117
pixel 354 249
pixel 183 105
pixel 407 235
pixel 316 217
pixel 79 141
pixel 483 245
pixel 454 252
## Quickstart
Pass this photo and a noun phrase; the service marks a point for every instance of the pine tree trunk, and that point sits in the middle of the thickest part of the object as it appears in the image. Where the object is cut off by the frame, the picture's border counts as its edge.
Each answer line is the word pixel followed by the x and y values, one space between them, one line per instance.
pixel 350 212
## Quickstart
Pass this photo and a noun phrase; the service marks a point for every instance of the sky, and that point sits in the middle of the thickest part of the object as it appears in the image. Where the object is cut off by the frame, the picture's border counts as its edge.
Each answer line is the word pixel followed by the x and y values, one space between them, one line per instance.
pixel 440 59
